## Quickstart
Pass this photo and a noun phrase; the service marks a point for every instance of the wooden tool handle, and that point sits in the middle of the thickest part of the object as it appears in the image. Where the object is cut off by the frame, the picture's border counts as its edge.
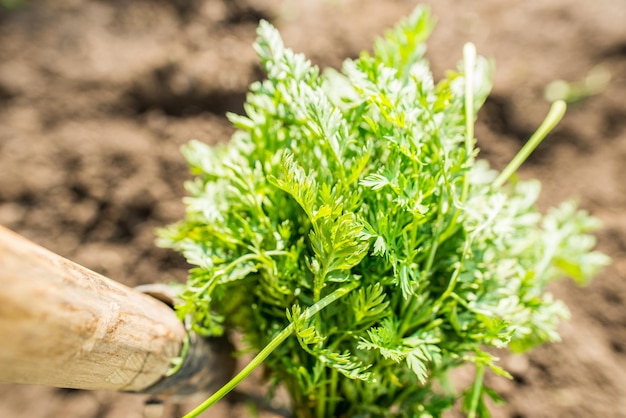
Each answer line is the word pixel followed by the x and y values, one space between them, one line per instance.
pixel 66 326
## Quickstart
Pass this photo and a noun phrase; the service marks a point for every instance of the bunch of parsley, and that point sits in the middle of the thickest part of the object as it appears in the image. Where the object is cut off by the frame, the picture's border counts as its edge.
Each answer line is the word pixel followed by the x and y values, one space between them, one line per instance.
pixel 349 228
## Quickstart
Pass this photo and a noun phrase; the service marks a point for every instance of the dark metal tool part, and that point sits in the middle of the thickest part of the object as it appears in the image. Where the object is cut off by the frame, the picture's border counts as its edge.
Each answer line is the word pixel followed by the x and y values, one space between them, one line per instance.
pixel 207 365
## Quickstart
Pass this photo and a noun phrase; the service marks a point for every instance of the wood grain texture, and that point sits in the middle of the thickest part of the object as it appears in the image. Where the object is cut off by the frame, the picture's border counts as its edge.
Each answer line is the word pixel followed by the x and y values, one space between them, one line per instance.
pixel 66 326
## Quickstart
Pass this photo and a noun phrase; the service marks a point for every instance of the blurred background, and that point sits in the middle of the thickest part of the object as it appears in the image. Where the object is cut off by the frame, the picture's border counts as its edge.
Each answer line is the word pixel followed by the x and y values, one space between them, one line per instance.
pixel 96 97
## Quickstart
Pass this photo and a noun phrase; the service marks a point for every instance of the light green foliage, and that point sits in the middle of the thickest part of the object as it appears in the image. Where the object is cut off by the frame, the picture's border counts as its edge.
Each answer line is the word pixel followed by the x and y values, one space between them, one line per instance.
pixel 367 180
pixel 13 4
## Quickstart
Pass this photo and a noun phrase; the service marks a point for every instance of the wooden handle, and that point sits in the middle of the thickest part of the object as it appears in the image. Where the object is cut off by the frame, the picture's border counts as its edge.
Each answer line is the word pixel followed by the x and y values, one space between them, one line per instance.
pixel 66 326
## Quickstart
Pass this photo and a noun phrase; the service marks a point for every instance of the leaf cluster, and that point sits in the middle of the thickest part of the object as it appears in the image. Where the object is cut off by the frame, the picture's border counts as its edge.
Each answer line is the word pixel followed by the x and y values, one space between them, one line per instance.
pixel 367 178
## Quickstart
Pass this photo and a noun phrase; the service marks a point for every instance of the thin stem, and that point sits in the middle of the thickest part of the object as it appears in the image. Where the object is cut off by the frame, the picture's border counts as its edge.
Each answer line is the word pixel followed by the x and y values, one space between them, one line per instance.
pixel 469 61
pixel 477 390
pixel 454 278
pixel 263 354
pixel 408 310
pixel 552 119
pixel 332 398
pixel 267 350
pixel 469 65
pixel 320 407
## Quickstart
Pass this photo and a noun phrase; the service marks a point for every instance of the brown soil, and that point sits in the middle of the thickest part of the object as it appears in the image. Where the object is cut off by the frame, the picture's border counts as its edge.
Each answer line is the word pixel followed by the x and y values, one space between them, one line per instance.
pixel 96 97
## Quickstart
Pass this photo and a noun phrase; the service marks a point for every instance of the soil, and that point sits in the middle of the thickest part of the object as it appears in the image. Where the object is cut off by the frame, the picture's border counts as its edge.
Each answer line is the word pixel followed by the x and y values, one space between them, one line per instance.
pixel 96 98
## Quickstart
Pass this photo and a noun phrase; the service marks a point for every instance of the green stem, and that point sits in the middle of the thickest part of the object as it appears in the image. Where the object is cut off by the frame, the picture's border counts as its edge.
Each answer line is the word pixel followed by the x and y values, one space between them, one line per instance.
pixel 405 325
pixel 469 65
pixel 332 398
pixel 320 407
pixel 267 350
pixel 454 278
pixel 469 58
pixel 552 119
pixel 477 390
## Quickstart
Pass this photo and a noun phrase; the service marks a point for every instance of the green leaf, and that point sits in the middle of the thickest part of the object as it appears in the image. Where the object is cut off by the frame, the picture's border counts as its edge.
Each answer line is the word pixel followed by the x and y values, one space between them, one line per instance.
pixel 369 303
